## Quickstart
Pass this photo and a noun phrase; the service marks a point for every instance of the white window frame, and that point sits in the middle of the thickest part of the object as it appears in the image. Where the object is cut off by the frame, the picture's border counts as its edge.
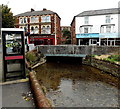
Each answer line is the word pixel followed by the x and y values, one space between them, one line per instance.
pixel 34 19
pixel 46 18
pixel 45 30
pixel 86 20
pixel 108 19
pixel 86 29
pixel 23 20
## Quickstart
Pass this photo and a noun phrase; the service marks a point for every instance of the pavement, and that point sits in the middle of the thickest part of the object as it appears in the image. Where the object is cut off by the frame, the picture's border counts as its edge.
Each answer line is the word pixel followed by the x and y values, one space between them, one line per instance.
pixel 15 93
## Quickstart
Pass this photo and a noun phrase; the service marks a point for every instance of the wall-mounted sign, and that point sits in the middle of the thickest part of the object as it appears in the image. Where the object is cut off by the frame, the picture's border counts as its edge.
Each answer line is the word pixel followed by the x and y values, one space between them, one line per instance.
pixel 13 53
pixel 87 35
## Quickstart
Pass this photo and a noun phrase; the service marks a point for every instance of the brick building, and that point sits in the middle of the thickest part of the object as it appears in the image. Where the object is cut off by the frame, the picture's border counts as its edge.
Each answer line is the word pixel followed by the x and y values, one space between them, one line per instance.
pixel 42 27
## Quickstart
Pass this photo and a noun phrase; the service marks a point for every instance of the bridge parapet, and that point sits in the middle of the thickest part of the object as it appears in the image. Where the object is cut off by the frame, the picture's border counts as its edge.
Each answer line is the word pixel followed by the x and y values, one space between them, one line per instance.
pixel 75 50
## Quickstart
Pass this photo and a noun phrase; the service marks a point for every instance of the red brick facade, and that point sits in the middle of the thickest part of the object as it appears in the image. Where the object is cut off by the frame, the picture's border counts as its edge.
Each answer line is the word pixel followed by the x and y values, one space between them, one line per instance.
pixel 73 37
pixel 43 27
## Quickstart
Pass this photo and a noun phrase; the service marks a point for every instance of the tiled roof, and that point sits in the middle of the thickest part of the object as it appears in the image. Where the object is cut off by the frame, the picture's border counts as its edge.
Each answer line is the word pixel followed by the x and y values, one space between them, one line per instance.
pixel 29 13
pixel 99 12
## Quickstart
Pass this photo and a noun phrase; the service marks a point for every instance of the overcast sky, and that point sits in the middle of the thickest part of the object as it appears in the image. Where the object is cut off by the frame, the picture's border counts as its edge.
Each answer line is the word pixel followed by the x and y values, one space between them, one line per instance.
pixel 66 9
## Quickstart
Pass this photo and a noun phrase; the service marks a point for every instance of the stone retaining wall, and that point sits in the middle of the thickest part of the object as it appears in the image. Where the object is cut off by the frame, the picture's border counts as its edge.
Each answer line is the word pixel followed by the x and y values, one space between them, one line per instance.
pixel 41 100
pixel 103 65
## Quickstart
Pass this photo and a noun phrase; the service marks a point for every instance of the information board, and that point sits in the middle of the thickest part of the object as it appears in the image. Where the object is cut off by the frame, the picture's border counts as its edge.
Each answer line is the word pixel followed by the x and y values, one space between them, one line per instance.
pixel 13 53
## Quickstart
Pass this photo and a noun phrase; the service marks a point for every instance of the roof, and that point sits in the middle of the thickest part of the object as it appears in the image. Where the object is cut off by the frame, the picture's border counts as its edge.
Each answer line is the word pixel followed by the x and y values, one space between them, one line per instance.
pixel 29 13
pixel 99 12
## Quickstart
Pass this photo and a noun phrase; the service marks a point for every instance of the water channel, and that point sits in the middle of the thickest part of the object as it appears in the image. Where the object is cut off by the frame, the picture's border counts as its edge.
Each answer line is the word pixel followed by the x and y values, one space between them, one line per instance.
pixel 77 85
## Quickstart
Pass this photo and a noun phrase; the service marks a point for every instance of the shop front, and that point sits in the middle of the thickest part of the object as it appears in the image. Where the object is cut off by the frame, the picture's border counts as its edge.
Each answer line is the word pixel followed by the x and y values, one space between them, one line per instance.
pixel 41 40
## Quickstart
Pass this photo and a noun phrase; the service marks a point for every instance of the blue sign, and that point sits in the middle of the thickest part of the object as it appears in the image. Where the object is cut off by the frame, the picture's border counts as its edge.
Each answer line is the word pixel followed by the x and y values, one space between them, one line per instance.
pixel 109 35
pixel 88 35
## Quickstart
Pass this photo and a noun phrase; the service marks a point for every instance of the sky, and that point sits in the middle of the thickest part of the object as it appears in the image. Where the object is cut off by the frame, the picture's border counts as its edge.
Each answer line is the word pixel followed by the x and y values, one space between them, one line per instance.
pixel 66 9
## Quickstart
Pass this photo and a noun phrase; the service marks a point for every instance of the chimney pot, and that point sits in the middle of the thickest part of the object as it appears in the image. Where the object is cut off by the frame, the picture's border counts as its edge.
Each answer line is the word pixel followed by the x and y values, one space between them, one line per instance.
pixel 44 9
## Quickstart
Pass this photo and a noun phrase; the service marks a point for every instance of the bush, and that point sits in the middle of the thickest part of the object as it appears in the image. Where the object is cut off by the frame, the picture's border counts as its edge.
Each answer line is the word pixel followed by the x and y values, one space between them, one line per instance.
pixel 113 58
pixel 31 57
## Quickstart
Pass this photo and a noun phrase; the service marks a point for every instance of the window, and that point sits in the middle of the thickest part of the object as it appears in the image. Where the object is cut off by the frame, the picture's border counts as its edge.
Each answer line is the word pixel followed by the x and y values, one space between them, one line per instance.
pixel 34 19
pixel 45 29
pixel 13 43
pixel 48 29
pixel 108 29
pixel 45 18
pixel 81 29
pixel 108 19
pixel 102 29
pixel 23 20
pixel 32 30
pixel 86 19
pixel 36 30
pixel 85 29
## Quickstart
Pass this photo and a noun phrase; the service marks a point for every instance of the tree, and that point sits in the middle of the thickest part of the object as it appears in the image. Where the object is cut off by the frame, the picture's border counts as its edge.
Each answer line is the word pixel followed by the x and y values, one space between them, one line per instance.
pixel 66 34
pixel 7 17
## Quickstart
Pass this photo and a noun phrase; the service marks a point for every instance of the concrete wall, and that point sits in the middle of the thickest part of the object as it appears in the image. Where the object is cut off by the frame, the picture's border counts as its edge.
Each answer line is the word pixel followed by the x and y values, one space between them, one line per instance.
pixel 77 50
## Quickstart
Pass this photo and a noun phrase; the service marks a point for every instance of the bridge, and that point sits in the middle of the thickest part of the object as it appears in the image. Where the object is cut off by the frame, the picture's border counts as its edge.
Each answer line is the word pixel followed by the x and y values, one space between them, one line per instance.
pixel 76 50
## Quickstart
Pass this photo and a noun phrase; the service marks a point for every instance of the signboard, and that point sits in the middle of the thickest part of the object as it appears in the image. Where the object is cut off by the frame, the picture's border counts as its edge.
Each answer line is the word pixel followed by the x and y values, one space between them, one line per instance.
pixel 13 53
pixel 109 35
pixel 87 35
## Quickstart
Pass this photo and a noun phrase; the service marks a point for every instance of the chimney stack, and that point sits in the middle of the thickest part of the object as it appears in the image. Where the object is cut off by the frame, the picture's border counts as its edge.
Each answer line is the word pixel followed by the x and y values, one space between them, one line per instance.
pixel 32 10
pixel 44 9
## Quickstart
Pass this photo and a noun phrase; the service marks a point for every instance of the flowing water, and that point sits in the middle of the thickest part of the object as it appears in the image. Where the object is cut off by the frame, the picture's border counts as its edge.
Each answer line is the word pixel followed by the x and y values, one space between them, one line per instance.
pixel 75 85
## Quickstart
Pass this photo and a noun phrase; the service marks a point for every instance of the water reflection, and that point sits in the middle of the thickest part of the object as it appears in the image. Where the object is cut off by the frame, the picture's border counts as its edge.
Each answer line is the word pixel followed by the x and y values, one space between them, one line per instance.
pixel 72 85
pixel 51 74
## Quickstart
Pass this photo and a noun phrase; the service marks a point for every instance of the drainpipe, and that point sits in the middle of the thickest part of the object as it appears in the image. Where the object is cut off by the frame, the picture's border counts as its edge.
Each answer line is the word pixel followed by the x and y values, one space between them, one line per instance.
pixel 55 31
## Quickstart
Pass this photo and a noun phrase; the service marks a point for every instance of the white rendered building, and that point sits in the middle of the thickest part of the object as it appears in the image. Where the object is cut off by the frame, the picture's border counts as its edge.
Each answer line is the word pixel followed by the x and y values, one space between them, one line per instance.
pixel 97 27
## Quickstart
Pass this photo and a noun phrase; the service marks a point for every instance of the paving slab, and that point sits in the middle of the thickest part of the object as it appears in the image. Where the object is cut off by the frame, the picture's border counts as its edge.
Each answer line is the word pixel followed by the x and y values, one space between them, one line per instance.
pixel 17 95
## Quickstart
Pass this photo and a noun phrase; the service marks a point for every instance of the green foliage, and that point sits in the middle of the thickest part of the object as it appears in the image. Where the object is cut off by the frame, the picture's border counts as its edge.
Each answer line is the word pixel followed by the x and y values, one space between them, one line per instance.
pixel 66 33
pixel 113 58
pixel 7 17
pixel 31 57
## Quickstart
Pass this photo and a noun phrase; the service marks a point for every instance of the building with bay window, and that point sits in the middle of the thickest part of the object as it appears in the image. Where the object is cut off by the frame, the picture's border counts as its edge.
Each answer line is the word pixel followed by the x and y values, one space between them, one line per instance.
pixel 96 27
pixel 42 27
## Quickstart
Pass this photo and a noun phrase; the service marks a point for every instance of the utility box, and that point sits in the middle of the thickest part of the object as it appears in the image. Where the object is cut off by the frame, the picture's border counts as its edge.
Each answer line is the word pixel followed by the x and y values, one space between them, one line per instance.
pixel 13 47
